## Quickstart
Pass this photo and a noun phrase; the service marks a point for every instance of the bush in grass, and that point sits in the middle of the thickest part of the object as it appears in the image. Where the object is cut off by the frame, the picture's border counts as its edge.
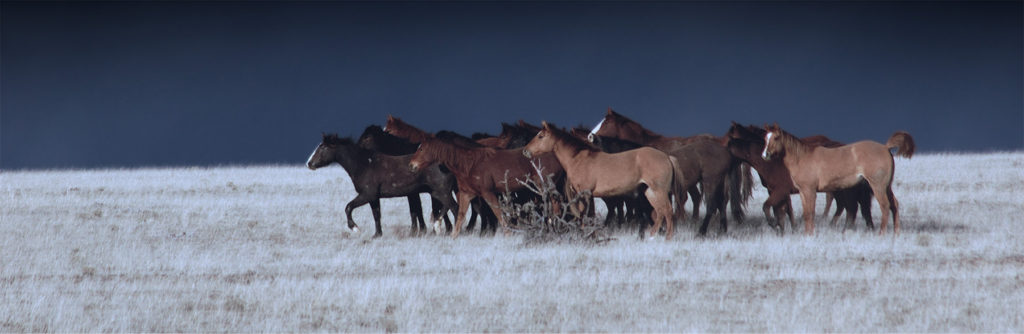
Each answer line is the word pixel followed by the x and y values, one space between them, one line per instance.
pixel 553 217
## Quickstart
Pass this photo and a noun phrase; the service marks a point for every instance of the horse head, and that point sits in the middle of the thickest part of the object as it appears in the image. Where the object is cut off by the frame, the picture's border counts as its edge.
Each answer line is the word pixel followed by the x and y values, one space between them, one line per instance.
pixel 541 143
pixel 773 144
pixel 325 153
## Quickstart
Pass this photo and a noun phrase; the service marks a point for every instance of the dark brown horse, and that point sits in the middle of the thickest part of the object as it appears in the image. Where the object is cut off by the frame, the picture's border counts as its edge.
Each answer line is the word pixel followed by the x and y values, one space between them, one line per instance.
pixel 375 176
pixel 613 174
pixel 816 168
pixel 375 139
pixel 747 143
pixel 738 184
pixel 480 171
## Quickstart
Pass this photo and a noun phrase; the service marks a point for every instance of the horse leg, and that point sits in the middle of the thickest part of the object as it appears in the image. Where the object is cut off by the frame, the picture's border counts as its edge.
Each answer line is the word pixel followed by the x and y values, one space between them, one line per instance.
pixel 416 214
pixel 882 197
pixel 807 197
pixel 718 201
pixel 444 201
pixel 788 206
pixel 375 207
pixel 662 212
pixel 863 194
pixel 695 196
pixel 829 196
pixel 775 200
pixel 613 205
pixel 463 199
pixel 472 217
pixel 360 200
pixel 895 207
pixel 492 200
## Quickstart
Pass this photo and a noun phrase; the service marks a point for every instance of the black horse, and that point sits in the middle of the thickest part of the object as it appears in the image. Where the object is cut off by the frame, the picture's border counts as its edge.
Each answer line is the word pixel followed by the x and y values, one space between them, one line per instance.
pixel 374 138
pixel 375 176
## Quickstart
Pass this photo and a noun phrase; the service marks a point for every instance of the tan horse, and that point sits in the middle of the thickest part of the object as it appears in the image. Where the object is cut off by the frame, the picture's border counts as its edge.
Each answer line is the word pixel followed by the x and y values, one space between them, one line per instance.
pixel 820 169
pixel 613 174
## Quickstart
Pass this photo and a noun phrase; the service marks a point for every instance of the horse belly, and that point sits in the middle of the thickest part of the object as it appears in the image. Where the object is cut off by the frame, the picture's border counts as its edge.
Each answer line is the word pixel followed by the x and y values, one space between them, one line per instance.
pixel 840 182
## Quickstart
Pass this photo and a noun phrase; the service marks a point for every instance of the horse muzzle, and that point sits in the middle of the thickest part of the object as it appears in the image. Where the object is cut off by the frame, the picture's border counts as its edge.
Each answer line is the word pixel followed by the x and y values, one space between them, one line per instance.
pixel 527 154
pixel 414 167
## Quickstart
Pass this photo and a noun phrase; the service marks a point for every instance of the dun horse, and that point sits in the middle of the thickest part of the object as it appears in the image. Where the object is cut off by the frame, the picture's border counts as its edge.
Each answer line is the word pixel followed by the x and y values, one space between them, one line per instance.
pixel 816 168
pixel 612 174
pixel 747 143
pixel 738 184
pixel 377 176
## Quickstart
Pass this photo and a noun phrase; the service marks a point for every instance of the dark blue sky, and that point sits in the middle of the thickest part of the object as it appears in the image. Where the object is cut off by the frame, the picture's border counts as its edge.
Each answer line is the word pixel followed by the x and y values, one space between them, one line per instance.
pixel 119 84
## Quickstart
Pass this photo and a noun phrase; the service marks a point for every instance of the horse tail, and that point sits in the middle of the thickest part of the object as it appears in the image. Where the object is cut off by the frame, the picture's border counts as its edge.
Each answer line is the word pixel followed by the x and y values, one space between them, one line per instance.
pixel 739 186
pixel 903 143
pixel 679 192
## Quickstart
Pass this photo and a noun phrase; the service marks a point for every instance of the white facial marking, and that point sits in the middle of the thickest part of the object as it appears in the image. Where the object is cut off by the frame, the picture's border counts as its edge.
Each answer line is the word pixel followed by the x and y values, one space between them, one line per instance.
pixel 767 138
pixel 310 160
pixel 597 128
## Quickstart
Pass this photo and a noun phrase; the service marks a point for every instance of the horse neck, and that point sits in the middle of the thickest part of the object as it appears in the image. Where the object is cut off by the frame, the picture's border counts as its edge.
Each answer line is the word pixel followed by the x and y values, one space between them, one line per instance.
pixel 353 159
pixel 565 152
pixel 412 133
pixel 795 148
pixel 396 145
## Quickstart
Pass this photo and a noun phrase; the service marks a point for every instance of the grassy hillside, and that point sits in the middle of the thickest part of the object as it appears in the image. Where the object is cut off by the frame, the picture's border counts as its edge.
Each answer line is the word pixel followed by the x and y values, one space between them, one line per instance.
pixel 265 249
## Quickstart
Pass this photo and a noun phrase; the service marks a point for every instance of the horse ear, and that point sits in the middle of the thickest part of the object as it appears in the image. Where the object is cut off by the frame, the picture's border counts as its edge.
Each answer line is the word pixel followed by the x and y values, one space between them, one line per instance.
pixel 390 118
pixel 610 111
pixel 544 124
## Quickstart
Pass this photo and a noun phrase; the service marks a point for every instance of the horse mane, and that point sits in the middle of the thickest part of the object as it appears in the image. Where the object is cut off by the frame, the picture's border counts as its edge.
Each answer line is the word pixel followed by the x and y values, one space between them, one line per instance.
pixel 648 135
pixel 789 141
pixel 576 144
pixel 527 126
pixel 450 152
pixel 480 135
pixel 400 128
pixel 457 139
pixel 333 139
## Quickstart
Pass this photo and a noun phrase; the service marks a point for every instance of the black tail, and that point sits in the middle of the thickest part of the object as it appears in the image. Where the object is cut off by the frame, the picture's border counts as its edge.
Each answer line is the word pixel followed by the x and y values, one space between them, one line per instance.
pixel 739 186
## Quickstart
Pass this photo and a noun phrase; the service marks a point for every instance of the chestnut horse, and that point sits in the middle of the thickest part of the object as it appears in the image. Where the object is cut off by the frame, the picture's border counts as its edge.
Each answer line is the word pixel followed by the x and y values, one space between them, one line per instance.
pixel 488 222
pixel 747 143
pixel 739 183
pixel 375 176
pixel 612 174
pixel 816 168
pixel 480 171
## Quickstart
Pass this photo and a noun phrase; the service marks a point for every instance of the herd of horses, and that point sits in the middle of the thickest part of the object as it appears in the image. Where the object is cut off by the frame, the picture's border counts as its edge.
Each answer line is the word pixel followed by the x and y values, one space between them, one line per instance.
pixel 643 177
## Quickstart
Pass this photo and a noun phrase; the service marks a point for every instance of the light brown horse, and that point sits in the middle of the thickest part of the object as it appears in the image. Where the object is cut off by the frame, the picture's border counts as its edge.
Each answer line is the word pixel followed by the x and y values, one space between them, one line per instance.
pixel 739 181
pixel 612 174
pixel 821 169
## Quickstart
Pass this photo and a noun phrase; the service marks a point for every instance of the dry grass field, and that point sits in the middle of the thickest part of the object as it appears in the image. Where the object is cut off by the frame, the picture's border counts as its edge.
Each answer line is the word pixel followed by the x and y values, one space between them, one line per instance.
pixel 264 248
